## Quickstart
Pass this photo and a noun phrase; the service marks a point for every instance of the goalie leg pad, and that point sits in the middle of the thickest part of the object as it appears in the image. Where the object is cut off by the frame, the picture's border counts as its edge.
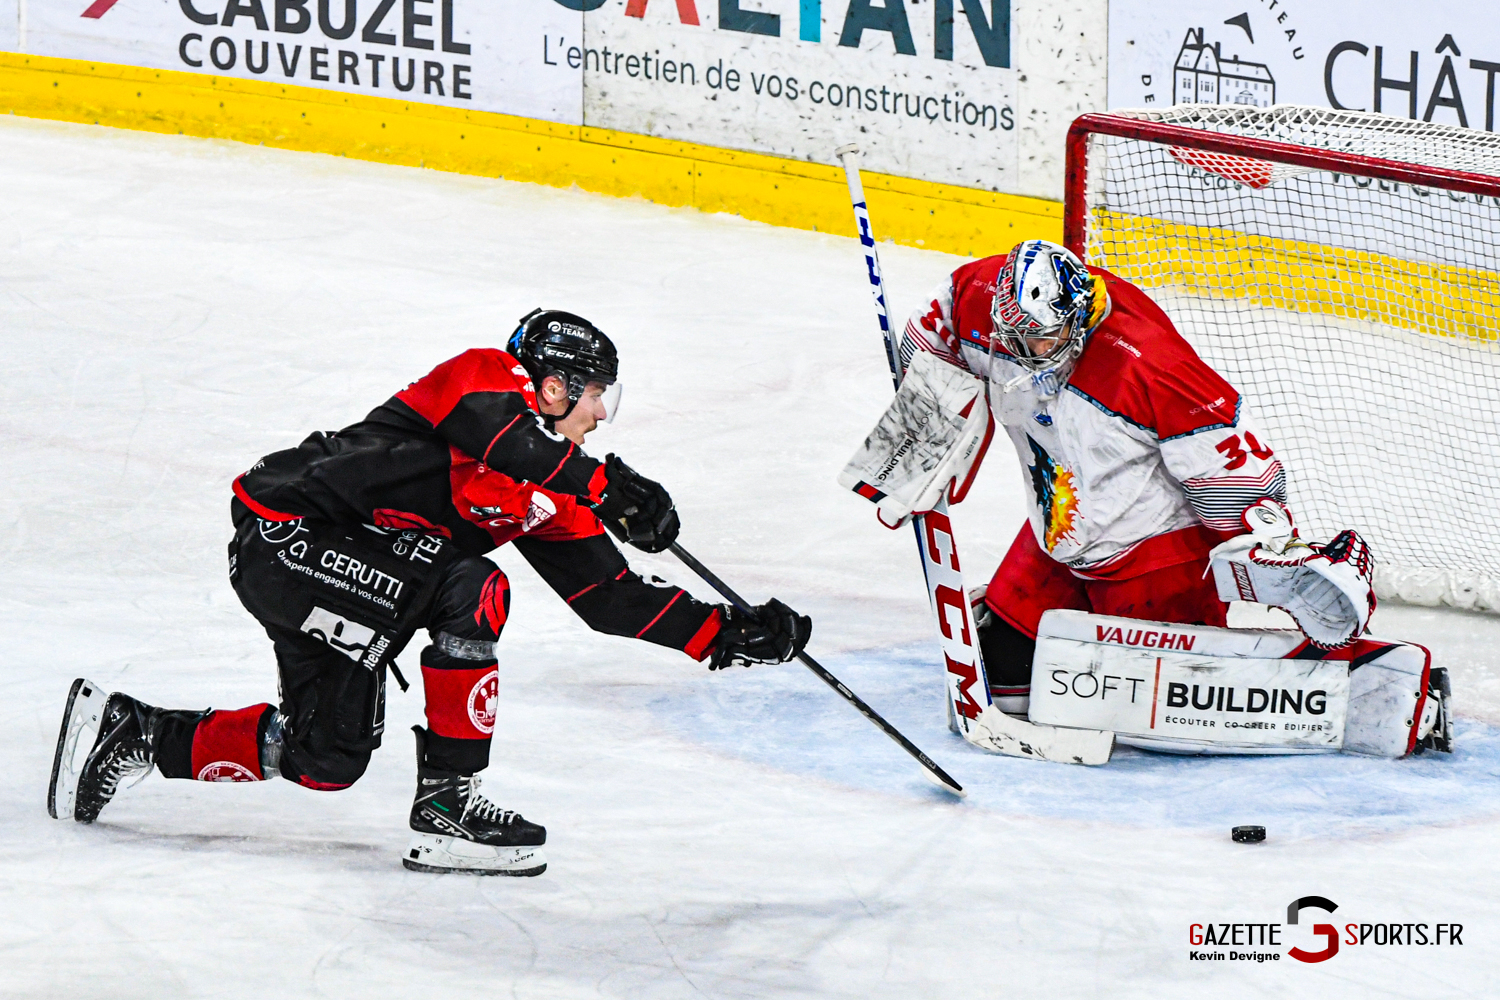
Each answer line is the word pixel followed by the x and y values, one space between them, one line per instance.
pixel 1007 653
pixel 1187 689
pixel 1203 690
pixel 1391 706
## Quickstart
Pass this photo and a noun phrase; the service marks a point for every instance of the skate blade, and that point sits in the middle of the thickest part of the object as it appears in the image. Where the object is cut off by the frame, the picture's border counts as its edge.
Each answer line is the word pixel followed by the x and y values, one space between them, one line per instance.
pixel 429 852
pixel 80 728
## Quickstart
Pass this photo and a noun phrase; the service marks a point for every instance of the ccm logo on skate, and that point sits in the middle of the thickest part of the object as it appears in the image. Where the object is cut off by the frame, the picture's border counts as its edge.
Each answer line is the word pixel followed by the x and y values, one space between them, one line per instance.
pixel 1146 638
pixel 226 770
pixel 482 700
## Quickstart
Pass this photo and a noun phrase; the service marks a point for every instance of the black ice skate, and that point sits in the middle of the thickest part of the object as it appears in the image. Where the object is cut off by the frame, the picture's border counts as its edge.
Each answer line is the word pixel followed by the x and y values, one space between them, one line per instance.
pixel 459 830
pixel 114 731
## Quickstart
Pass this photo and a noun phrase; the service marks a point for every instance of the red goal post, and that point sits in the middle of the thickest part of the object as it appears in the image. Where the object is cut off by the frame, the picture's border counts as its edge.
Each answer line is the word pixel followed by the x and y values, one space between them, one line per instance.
pixel 1342 269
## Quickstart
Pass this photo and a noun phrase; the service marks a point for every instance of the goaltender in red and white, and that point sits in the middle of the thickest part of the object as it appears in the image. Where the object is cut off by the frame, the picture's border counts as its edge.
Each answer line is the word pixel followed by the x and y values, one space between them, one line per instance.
pixel 1141 465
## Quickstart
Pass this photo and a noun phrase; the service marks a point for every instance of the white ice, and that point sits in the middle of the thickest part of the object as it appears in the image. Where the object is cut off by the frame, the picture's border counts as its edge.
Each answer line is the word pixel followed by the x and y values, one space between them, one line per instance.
pixel 172 309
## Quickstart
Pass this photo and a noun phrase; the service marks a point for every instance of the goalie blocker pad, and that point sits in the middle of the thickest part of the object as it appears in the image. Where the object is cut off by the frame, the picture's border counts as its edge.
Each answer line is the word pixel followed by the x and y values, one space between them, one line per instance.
pixel 1203 690
pixel 930 439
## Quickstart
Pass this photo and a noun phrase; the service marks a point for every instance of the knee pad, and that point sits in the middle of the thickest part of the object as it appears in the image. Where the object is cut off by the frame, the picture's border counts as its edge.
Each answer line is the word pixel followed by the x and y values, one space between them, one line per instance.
pixel 322 766
pixel 473 600
pixel 460 675
pixel 329 732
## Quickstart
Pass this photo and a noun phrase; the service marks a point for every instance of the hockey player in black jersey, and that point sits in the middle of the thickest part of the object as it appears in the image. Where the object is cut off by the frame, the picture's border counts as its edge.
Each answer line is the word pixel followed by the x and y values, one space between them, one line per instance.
pixel 349 543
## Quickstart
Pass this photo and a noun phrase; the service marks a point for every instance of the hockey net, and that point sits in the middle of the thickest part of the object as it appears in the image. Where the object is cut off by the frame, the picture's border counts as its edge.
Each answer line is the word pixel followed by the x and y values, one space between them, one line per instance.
pixel 1341 269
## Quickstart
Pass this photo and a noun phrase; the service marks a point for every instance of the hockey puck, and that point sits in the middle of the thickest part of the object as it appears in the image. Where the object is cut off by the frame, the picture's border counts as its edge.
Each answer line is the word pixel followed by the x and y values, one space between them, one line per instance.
pixel 1248 834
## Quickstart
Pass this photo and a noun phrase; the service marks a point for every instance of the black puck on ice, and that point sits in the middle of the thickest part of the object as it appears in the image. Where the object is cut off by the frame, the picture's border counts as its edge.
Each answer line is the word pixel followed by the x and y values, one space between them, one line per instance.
pixel 1248 834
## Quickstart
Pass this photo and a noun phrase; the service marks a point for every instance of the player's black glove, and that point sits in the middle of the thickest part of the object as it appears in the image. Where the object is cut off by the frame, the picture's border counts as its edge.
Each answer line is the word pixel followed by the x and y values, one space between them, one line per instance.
pixel 636 509
pixel 771 633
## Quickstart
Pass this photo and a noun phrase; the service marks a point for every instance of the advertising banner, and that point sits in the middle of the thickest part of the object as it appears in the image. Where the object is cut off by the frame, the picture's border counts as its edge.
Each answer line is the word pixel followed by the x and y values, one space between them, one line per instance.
pixel 928 87
pixel 935 90
pixel 461 53
pixel 1434 61
pixel 1184 700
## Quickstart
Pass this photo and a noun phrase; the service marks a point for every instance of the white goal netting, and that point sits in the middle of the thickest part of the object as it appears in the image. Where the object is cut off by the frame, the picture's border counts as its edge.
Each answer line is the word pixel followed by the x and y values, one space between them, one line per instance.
pixel 1359 316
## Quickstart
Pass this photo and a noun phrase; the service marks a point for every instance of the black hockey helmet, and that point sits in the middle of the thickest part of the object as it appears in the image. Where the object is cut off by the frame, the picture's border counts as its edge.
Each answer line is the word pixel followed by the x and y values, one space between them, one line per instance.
pixel 552 342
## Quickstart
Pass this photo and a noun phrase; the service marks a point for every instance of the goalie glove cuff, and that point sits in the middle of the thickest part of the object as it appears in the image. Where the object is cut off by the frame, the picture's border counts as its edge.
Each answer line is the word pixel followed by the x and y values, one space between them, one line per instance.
pixel 1326 589
pixel 771 633
pixel 1269 522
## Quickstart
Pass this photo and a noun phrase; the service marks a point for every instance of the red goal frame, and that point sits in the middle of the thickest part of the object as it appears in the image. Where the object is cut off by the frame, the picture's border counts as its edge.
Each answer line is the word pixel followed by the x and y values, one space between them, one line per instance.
pixel 1075 183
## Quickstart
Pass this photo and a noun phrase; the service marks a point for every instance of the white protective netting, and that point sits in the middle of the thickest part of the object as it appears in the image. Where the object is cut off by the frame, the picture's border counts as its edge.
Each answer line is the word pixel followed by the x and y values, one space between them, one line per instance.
pixel 1359 317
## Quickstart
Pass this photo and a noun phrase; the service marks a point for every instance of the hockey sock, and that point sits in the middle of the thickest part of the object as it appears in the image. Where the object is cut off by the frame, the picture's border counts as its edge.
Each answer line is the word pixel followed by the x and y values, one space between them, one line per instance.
pixel 461 702
pixel 226 745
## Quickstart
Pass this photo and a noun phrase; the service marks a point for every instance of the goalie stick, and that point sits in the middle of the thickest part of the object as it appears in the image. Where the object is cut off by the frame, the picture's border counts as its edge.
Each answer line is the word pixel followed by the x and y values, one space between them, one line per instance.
pixel 936 774
pixel 972 712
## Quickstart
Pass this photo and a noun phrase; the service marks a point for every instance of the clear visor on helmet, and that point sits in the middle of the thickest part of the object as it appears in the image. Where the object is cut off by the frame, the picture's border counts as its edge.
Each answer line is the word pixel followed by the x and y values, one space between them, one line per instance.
pixel 594 393
pixel 610 400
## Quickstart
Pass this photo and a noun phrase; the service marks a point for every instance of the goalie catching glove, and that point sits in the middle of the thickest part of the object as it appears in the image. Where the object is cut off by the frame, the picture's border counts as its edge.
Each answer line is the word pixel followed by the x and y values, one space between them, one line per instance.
pixel 771 633
pixel 636 509
pixel 930 440
pixel 1325 588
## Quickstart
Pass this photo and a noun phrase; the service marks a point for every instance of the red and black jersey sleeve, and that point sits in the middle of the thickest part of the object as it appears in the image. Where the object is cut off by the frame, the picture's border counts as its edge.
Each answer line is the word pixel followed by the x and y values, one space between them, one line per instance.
pixel 593 577
pixel 482 403
pixel 507 509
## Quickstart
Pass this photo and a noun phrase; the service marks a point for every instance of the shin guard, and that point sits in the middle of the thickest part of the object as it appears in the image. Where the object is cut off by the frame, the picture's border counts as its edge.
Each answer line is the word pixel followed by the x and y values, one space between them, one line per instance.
pixel 461 703
pixel 226 745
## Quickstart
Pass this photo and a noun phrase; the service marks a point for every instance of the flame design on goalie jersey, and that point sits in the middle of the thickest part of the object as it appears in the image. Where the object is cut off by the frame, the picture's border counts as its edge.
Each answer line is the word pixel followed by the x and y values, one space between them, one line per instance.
pixel 1055 494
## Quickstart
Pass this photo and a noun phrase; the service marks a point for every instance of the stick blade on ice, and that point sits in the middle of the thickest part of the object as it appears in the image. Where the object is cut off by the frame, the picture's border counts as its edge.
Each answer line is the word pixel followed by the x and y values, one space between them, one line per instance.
pixel 997 732
pixel 955 789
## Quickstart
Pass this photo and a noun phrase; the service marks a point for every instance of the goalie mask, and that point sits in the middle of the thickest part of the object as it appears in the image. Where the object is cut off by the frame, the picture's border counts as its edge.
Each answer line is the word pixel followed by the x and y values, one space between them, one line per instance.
pixel 552 342
pixel 1046 304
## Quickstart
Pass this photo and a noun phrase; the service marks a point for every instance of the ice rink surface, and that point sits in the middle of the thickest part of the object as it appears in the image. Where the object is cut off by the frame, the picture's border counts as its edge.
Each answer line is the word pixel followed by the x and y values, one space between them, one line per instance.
pixel 172 309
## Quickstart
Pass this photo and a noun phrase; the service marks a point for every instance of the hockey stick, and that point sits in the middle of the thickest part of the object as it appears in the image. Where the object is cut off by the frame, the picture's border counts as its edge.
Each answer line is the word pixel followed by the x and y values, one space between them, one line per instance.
pixel 979 722
pixel 936 774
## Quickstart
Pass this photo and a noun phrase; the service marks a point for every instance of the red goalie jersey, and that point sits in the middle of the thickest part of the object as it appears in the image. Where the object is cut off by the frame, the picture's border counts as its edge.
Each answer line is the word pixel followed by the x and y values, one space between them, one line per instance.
pixel 1142 460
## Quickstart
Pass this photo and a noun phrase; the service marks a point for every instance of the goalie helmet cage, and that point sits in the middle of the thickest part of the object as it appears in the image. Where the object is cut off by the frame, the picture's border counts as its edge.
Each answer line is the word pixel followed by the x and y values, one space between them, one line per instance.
pixel 1341 269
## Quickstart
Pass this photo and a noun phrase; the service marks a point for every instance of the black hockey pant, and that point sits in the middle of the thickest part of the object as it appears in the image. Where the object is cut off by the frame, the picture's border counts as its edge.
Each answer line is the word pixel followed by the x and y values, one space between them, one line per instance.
pixel 339 604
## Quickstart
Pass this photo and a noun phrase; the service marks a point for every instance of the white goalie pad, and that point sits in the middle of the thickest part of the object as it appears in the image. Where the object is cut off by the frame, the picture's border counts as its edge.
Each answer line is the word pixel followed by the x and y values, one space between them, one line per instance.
pixel 928 442
pixel 1390 707
pixel 1204 690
